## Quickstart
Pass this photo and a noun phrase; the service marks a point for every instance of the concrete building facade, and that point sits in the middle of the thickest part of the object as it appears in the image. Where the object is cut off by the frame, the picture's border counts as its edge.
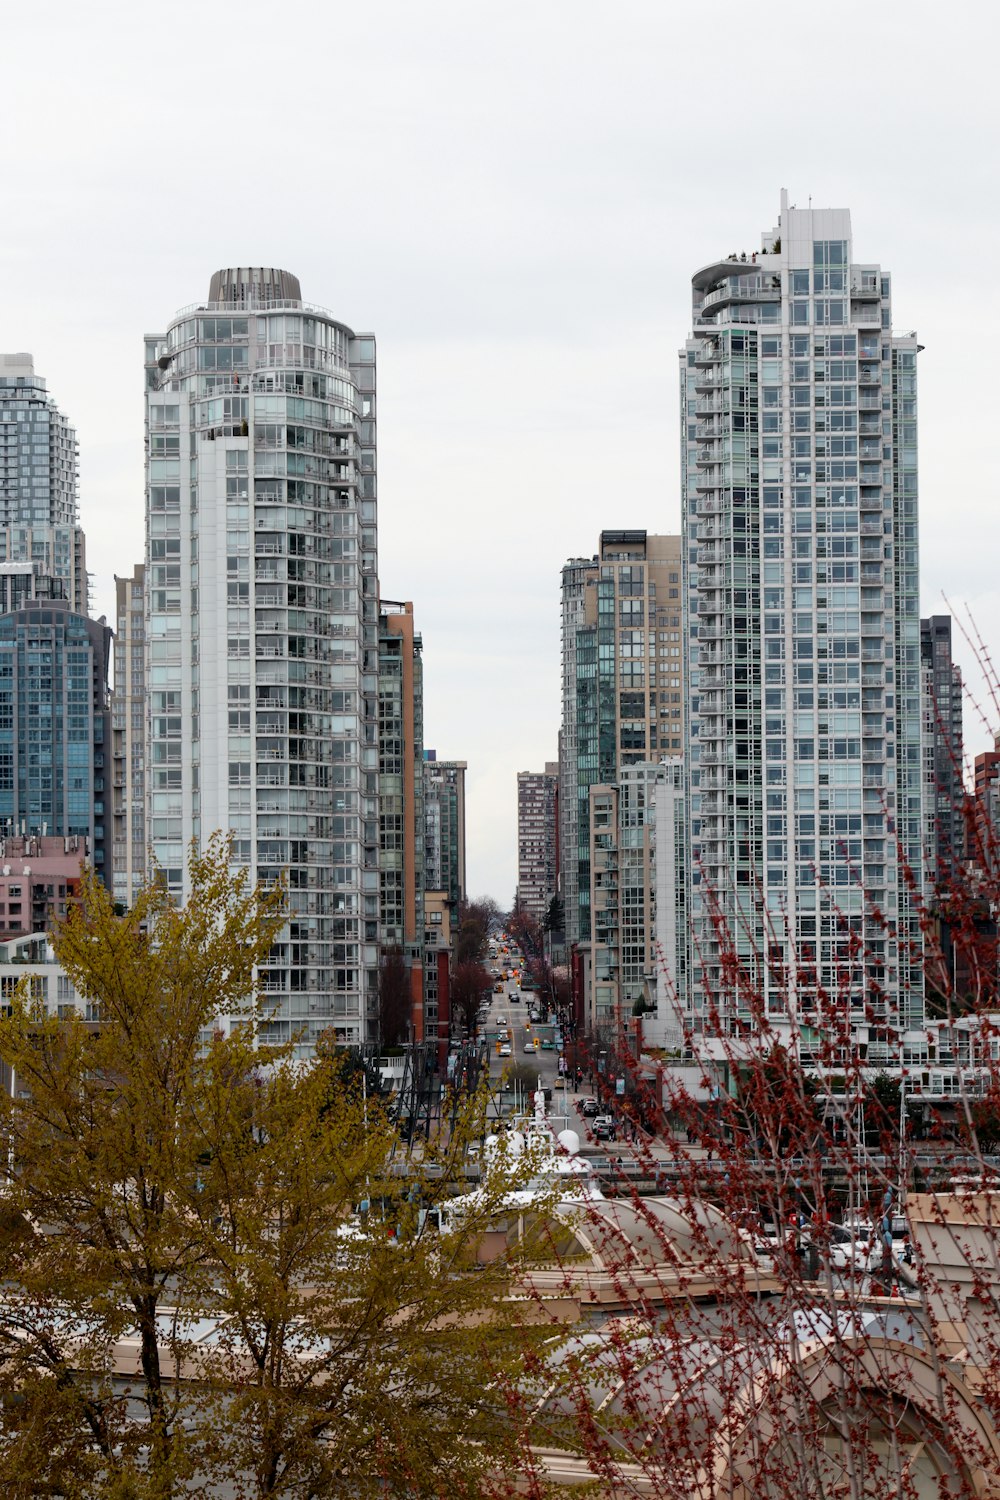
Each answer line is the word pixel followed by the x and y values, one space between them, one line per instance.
pixel 39 880
pixel 622 897
pixel 537 839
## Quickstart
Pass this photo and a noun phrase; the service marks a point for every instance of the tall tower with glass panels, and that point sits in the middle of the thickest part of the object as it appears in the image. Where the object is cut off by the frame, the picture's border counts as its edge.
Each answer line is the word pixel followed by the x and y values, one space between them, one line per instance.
pixel 803 795
pixel 402 826
pixel 39 509
pixel 262 627
pixel 627 658
pixel 55 726
pixel 577 576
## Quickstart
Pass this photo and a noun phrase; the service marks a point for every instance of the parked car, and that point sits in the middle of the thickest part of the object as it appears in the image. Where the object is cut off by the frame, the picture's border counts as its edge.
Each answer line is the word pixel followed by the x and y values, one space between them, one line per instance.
pixel 848 1249
pixel 590 1108
pixel 604 1128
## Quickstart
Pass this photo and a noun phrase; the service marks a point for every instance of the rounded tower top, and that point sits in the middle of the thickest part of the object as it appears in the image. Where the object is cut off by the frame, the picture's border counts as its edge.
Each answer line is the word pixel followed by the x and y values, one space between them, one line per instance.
pixel 254 286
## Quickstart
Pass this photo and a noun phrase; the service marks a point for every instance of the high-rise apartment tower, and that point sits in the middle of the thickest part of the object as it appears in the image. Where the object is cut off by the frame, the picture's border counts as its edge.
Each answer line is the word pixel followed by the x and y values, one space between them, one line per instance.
pixel 39 509
pixel 622 703
pixel 799 476
pixel 262 626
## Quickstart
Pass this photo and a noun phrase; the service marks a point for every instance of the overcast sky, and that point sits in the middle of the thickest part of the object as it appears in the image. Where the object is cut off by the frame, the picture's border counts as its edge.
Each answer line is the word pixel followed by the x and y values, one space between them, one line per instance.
pixel 513 198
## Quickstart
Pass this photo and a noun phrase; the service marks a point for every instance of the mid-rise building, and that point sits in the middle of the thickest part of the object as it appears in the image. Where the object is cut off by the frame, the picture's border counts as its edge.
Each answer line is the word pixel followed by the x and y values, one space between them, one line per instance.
pixel 39 880
pixel 537 839
pixel 262 627
pixel 444 815
pixel 401 791
pixel 943 750
pixel 622 897
pixel 130 861
pixel 666 1027
pixel 625 703
pixel 39 507
pixel 435 1022
pixel 803 745
pixel 577 574
pixel 983 822
pixel 55 727
pixel 24 583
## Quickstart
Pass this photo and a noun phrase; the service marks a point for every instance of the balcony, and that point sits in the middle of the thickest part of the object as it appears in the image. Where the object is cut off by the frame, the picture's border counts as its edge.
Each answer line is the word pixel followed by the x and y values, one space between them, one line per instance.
pixel 709 380
pixel 741 289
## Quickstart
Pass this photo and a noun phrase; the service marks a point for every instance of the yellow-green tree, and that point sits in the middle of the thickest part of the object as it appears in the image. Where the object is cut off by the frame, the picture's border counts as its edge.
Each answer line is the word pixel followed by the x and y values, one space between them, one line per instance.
pixel 213 1273
pixel 103 1160
pixel 359 1353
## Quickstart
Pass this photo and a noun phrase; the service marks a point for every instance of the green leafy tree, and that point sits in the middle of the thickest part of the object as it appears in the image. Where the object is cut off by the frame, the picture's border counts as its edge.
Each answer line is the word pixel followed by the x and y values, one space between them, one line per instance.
pixel 213 1275
pixel 105 1151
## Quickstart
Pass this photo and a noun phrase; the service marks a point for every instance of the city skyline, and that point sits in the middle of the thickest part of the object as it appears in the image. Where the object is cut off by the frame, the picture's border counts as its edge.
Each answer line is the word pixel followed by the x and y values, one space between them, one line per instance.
pixel 525 261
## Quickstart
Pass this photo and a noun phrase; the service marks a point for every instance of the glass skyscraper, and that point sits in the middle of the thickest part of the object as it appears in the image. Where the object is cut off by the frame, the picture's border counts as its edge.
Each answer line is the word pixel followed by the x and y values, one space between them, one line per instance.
pixel 55 737
pixel 262 626
pixel 799 481
pixel 55 726
pixel 39 514
pixel 624 704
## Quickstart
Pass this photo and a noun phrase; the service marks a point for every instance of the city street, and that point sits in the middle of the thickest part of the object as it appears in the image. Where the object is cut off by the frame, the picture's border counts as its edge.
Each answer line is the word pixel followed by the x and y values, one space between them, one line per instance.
pixel 508 1025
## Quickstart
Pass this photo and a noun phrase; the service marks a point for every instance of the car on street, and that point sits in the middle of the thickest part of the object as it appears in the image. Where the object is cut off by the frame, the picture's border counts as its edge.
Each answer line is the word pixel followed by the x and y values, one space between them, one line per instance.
pixel 548 1045
pixel 604 1128
pixel 589 1108
pixel 505 1049
pixel 529 1046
